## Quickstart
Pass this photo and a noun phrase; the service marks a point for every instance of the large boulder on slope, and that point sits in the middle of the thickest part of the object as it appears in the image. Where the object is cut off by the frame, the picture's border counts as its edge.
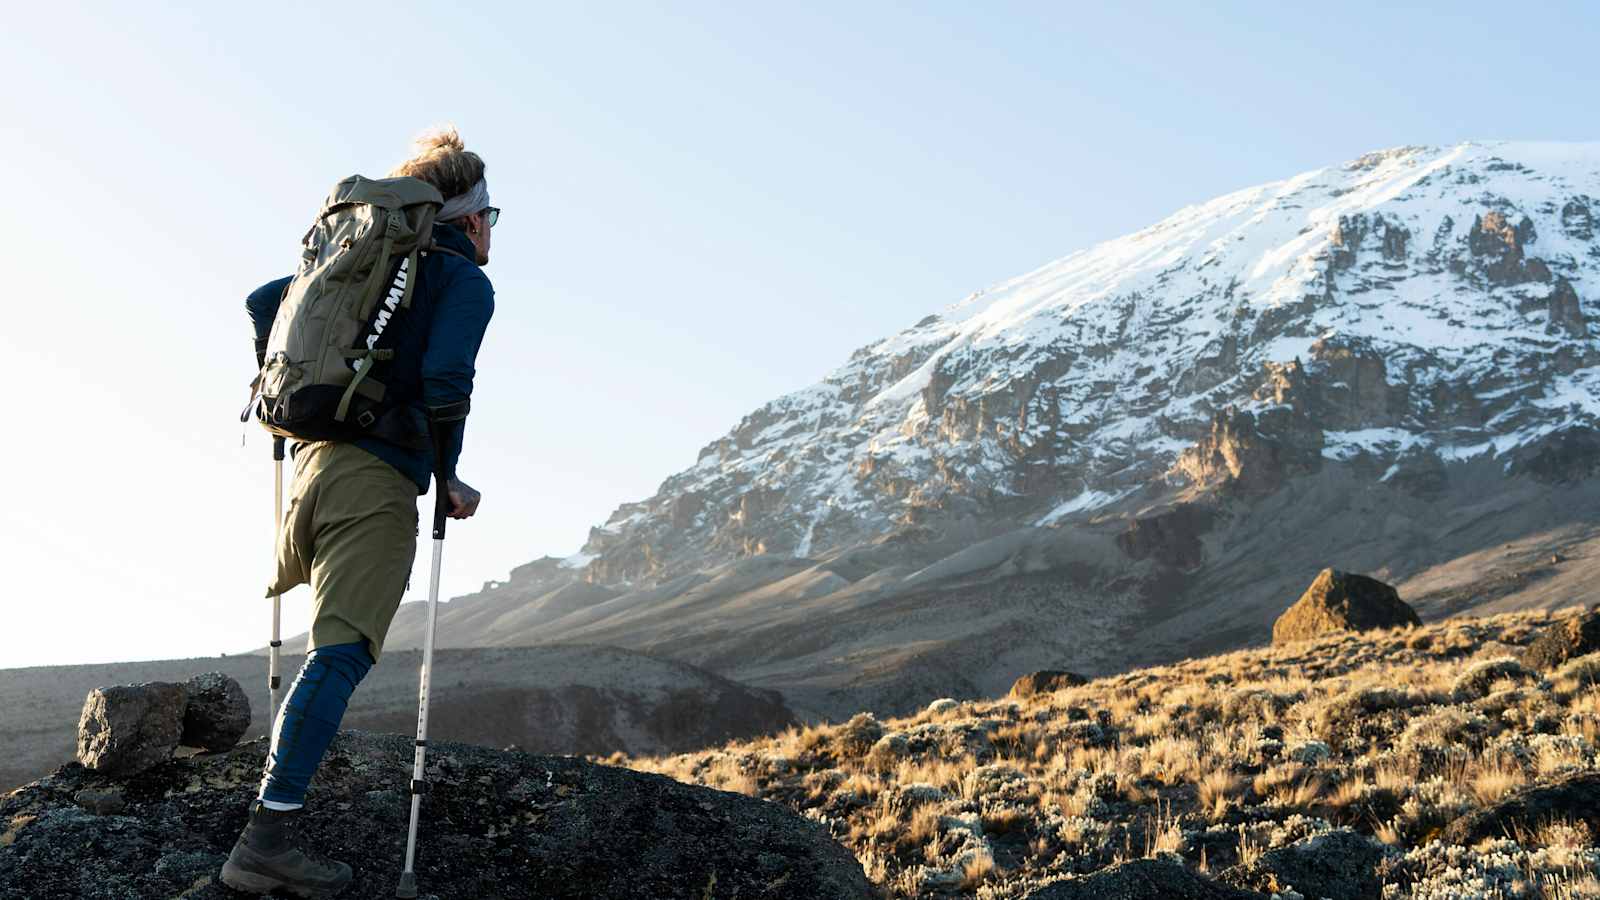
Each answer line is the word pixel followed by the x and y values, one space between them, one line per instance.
pixel 1339 863
pixel 1340 602
pixel 1563 640
pixel 1046 682
pixel 130 727
pixel 508 826
pixel 218 713
pixel 1574 798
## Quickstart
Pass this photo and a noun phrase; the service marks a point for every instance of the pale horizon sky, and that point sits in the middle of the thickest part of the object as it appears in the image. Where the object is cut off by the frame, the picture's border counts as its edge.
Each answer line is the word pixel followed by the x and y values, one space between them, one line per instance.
pixel 705 206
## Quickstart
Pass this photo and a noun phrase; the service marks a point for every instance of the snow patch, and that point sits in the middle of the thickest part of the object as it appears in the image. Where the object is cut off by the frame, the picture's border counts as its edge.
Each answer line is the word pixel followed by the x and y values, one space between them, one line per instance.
pixel 1084 501
pixel 579 560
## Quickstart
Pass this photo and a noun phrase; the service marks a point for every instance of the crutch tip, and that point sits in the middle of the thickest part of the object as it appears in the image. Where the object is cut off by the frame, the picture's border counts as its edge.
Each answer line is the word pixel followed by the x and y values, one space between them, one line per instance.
pixel 407 889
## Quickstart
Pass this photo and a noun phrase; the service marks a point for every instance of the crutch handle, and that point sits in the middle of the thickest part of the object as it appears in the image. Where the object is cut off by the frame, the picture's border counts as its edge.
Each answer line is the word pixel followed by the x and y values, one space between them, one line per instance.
pixel 438 418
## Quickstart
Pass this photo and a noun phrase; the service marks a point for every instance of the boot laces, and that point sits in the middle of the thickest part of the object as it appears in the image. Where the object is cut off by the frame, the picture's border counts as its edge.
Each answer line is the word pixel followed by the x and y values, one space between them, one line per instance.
pixel 299 843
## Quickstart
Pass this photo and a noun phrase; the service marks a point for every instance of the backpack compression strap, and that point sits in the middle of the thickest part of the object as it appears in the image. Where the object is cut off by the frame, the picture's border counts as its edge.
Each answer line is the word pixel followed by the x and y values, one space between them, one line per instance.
pixel 365 360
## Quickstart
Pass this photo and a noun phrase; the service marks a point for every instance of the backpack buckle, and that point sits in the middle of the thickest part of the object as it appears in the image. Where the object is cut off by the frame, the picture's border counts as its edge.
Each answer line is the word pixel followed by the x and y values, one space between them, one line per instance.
pixel 366 418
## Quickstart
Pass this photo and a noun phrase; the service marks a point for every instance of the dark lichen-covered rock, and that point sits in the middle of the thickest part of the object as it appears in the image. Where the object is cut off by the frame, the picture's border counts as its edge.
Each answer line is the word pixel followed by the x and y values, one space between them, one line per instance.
pixel 1561 457
pixel 1338 863
pixel 1143 879
pixel 1340 602
pixel 1576 798
pixel 218 713
pixel 1566 311
pixel 1567 639
pixel 1171 538
pixel 130 727
pixel 107 802
pixel 1045 682
pixel 496 825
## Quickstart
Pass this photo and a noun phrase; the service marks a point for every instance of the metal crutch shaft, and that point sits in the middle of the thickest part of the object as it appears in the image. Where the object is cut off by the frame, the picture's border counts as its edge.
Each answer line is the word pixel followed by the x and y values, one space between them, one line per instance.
pixel 438 418
pixel 274 676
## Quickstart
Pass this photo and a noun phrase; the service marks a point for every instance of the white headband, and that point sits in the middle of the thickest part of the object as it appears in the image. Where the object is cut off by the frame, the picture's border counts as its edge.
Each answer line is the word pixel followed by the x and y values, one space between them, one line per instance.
pixel 465 204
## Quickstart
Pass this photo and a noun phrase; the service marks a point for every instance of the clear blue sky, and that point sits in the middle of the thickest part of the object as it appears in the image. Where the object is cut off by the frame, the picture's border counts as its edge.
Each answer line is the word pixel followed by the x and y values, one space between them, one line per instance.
pixel 705 206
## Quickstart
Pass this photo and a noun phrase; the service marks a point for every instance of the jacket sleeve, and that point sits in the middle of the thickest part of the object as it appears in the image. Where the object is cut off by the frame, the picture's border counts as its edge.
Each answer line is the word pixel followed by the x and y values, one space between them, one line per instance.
pixel 262 305
pixel 460 318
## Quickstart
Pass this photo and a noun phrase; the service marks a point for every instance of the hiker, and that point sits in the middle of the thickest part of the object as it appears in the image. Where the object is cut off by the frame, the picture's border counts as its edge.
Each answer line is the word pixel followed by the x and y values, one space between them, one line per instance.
pixel 351 527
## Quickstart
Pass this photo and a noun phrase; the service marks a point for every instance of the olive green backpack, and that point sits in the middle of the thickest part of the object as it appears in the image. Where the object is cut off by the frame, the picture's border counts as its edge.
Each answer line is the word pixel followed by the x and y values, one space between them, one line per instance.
pixel 321 373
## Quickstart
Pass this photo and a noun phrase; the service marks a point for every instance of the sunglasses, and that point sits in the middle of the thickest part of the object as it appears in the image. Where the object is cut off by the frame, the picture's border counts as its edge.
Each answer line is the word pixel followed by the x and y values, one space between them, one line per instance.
pixel 491 215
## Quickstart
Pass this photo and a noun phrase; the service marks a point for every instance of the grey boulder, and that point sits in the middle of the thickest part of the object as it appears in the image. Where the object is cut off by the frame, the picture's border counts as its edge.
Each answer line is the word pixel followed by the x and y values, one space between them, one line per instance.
pixel 128 728
pixel 218 713
pixel 1338 863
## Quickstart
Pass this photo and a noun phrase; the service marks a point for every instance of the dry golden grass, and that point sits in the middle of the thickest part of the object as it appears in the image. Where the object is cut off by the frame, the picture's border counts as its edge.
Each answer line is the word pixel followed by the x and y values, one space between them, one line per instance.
pixel 1163 831
pixel 1216 791
pixel 977 870
pixel 1393 734
pixel 1492 779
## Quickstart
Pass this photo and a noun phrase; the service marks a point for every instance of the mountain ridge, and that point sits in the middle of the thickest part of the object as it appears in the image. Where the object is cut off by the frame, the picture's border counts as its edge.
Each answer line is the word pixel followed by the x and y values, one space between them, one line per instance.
pixel 995 398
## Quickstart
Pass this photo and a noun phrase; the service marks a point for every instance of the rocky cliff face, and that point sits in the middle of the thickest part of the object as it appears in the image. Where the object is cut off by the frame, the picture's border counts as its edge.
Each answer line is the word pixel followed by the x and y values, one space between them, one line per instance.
pixel 1412 306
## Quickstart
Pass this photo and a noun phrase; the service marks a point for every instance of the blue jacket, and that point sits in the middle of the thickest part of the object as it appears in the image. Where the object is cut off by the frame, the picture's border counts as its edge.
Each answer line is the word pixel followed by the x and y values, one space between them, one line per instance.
pixel 436 344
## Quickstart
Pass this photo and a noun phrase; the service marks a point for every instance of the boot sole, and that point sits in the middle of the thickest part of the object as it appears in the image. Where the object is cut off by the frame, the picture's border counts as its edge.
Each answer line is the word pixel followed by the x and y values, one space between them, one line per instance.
pixel 255 883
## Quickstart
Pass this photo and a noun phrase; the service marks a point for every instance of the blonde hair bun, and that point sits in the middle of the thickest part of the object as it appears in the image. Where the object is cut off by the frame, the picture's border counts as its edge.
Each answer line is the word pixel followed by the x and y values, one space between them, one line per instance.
pixel 439 138
pixel 441 158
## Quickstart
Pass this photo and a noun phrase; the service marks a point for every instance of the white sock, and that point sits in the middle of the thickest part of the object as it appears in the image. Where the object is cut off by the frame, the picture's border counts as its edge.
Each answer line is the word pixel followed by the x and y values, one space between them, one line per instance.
pixel 281 807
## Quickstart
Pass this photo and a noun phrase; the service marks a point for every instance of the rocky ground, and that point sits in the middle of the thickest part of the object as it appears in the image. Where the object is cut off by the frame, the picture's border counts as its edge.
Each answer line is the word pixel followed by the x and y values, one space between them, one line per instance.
pixel 496 826
pixel 1451 760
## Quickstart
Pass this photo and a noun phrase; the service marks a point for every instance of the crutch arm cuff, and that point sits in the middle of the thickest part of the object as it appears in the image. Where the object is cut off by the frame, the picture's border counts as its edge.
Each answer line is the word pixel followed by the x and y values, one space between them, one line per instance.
pixel 449 412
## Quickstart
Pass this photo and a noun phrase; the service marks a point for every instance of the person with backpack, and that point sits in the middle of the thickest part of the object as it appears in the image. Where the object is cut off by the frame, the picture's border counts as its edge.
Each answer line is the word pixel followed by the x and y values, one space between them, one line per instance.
pixel 367 346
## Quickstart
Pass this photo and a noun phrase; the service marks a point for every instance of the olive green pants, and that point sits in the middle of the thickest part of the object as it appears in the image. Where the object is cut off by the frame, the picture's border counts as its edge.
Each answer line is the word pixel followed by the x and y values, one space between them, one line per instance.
pixel 351 533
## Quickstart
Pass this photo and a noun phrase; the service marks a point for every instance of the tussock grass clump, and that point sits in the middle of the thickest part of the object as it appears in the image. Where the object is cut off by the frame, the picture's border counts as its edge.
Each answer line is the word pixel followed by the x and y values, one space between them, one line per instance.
pixel 855 737
pixel 1576 674
pixel 1481 677
pixel 1216 762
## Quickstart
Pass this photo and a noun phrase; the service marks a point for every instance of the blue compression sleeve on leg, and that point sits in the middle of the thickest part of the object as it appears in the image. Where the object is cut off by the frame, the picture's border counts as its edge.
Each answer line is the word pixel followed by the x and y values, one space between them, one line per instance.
pixel 310 718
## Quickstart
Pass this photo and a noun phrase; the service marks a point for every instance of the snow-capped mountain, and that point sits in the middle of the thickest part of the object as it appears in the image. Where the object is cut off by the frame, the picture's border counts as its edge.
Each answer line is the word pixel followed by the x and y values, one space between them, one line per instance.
pixel 1141 452
pixel 1416 305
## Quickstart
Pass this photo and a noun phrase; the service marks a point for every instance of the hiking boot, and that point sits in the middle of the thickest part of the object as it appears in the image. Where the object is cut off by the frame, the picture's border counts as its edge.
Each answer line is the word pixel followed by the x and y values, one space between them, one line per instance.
pixel 265 858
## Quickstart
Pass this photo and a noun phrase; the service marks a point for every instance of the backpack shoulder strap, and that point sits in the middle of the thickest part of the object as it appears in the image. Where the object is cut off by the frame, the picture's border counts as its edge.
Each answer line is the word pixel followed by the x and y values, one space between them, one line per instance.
pixel 436 248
